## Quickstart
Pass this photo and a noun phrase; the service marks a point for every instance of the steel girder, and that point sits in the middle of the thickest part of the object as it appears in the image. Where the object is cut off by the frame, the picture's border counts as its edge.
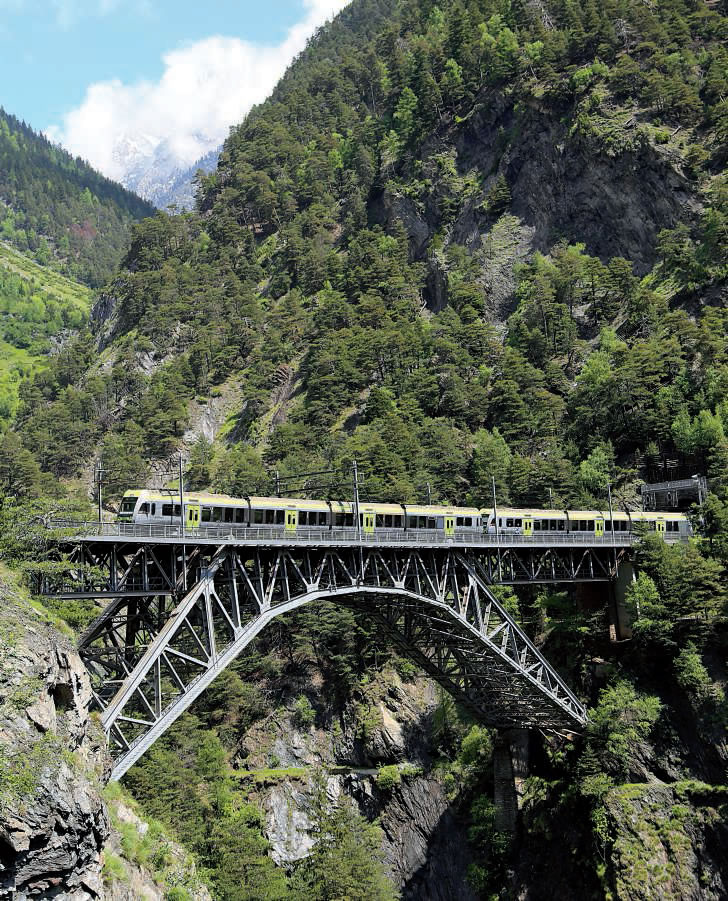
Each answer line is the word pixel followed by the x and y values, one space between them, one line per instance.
pixel 150 656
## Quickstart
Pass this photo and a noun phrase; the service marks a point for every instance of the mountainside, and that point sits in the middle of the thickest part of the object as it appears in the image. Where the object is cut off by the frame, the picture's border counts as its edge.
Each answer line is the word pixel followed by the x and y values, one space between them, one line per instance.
pixel 60 209
pixel 471 245
pixel 39 310
pixel 154 171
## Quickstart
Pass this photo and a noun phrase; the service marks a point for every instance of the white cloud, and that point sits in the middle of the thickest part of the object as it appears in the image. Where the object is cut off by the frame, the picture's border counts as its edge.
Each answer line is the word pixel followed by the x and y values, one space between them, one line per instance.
pixel 205 88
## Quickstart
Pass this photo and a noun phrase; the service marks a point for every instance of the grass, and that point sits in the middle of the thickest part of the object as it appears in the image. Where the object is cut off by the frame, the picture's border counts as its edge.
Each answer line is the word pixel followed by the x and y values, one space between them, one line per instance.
pixel 18 363
pixel 53 283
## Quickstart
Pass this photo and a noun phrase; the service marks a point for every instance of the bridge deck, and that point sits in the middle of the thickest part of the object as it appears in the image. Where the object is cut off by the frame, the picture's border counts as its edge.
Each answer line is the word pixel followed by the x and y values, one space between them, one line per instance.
pixel 266 536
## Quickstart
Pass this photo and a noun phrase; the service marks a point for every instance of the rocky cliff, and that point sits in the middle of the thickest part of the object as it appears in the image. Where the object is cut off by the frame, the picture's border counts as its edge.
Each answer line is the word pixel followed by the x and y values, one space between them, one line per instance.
pixel 58 836
pixel 53 761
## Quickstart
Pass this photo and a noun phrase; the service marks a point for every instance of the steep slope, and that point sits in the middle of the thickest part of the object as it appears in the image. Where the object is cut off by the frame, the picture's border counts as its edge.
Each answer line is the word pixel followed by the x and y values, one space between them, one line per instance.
pixel 462 243
pixel 409 164
pixel 60 209
pixel 59 837
pixel 39 309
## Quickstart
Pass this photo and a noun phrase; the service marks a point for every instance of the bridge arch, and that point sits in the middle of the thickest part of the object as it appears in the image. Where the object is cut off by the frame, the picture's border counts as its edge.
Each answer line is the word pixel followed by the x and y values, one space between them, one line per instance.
pixel 150 656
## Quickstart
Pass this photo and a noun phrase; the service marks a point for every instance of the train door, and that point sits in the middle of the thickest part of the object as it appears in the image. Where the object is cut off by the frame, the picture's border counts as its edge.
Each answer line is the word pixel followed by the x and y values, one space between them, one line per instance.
pixel 660 526
pixel 368 523
pixel 449 524
pixel 192 519
pixel 528 526
pixel 599 527
pixel 291 520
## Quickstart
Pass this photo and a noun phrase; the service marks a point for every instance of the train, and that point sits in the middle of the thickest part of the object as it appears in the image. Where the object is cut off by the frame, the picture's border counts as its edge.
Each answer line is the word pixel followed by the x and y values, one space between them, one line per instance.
pixel 203 511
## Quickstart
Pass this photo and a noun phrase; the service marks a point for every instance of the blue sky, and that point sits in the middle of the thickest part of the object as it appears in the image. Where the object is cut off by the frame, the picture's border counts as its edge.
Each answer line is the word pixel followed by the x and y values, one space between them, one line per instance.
pixel 74 67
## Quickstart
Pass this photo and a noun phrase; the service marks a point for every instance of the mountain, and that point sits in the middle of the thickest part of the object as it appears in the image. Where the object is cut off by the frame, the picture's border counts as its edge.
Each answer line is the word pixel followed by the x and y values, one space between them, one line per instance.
pixel 473 246
pixel 59 209
pixel 154 170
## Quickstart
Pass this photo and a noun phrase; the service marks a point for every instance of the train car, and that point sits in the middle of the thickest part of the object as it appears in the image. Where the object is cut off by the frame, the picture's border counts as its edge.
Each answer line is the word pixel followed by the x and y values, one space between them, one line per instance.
pixel 214 511
pixel 531 522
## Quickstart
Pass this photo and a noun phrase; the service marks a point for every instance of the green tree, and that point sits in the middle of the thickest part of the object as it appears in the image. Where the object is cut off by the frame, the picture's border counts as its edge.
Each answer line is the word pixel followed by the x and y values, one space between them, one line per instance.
pixel 346 860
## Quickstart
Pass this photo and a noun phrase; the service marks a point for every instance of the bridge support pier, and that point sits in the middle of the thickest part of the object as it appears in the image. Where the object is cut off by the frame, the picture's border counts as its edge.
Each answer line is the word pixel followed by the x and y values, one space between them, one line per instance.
pixel 510 769
pixel 620 626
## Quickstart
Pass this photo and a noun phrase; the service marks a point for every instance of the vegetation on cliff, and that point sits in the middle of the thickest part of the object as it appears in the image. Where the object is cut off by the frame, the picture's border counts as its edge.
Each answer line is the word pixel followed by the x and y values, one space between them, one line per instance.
pixel 462 241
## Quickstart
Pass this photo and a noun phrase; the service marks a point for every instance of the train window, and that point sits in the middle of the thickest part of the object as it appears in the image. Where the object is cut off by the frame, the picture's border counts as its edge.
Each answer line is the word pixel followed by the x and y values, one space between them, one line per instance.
pixel 302 518
pixel 167 510
pixel 229 513
pixel 338 519
pixel 280 517
pixel 562 525
pixel 397 522
pixel 379 520
pixel 552 525
pixel 205 514
pixel 607 526
pixel 258 517
pixel 518 523
pixel 590 525
pixel 269 517
pixel 349 519
pixel 431 523
pixel 144 508
pixel 500 522
pixel 128 504
pixel 468 521
pixel 459 521
pixel 240 515
pixel 387 520
pixel 411 522
pixel 322 518
pixel 509 523
pixel 154 509
pixel 217 514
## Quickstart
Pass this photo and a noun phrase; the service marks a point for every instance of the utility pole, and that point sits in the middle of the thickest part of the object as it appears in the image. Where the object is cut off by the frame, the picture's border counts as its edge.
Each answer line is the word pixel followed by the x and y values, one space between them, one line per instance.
pixel 278 483
pixel 551 499
pixel 181 499
pixel 429 495
pixel 355 471
pixel 98 478
pixel 611 521
pixel 495 508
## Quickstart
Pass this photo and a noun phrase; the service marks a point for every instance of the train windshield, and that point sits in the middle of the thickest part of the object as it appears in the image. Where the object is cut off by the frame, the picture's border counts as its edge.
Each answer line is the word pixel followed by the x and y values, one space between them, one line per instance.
pixel 128 504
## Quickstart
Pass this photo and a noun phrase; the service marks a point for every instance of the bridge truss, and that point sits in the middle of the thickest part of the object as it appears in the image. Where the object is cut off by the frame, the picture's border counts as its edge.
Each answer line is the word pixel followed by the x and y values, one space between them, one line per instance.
pixel 176 615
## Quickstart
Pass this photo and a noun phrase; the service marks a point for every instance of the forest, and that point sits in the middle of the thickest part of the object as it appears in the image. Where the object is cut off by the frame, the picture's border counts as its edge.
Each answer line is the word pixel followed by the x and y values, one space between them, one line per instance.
pixel 463 241
pixel 58 209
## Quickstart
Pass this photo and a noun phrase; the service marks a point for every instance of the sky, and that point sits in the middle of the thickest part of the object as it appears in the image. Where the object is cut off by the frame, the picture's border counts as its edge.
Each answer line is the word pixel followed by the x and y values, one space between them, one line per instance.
pixel 91 72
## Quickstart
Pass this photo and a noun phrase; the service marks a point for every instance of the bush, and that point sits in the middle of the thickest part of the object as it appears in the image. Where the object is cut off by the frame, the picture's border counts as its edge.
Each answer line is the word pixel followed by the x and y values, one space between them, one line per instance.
pixel 388 777
pixel 691 674
pixel 303 713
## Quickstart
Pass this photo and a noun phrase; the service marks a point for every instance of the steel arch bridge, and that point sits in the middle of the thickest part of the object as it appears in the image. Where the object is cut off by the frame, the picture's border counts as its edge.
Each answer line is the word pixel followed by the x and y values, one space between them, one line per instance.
pixel 177 614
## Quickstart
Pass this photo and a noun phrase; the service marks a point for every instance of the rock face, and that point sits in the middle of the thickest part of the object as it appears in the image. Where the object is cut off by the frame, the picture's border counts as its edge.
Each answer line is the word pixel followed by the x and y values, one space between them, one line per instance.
pixel 53 762
pixel 671 841
pixel 56 836
pixel 425 844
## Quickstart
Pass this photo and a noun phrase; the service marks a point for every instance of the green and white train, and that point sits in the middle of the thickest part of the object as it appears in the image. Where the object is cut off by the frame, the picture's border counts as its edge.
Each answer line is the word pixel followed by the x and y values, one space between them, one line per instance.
pixel 212 511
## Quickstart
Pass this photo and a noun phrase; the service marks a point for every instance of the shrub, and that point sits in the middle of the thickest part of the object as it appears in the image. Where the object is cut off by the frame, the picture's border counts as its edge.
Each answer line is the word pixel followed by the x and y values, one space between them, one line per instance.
pixel 388 777
pixel 303 713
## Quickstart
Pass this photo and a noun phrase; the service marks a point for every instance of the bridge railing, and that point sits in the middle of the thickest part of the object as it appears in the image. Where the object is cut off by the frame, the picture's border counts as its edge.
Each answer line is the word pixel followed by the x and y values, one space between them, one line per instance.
pixel 242 534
